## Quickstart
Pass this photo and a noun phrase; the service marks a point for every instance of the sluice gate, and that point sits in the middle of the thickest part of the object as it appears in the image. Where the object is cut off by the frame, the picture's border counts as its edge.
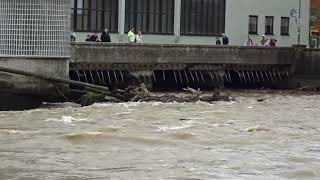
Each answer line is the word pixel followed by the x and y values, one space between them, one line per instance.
pixel 170 67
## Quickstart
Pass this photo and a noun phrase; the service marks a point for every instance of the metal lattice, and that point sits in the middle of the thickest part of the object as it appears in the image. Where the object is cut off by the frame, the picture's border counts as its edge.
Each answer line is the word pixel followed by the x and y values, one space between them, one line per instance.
pixel 35 28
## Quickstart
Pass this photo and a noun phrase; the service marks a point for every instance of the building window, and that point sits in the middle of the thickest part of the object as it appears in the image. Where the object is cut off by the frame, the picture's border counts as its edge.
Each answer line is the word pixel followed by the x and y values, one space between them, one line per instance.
pixel 150 16
pixel 285 21
pixel 202 17
pixel 269 25
pixel 253 24
pixel 94 15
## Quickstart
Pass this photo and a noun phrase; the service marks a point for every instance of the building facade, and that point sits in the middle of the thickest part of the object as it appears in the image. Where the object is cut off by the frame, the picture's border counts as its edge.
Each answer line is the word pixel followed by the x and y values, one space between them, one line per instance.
pixel 193 21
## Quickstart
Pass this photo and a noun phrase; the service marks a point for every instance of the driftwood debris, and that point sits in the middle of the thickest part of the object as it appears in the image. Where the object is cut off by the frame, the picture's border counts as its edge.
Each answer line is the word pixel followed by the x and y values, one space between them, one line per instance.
pixel 142 94
pixel 130 94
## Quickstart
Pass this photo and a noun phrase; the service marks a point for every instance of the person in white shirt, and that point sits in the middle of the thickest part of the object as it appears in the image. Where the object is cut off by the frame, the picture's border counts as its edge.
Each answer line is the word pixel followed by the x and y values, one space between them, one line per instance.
pixel 139 38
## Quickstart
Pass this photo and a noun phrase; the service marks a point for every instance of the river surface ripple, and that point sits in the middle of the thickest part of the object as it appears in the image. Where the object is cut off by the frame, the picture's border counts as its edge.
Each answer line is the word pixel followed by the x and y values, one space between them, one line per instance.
pixel 275 139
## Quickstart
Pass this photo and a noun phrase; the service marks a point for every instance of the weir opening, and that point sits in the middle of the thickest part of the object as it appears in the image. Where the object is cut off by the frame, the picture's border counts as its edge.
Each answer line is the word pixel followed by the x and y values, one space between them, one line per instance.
pixel 179 76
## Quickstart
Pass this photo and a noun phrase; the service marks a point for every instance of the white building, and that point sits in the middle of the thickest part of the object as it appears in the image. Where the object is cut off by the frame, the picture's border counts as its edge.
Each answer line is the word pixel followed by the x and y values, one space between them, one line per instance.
pixel 193 21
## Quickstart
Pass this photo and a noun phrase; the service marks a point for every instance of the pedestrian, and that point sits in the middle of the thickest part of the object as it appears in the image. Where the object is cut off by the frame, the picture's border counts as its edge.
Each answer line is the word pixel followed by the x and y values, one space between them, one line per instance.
pixel 139 38
pixel 249 42
pixel 273 42
pixel 218 42
pixel 88 38
pixel 263 40
pixel 94 37
pixel 105 36
pixel 131 36
pixel 73 36
pixel 225 39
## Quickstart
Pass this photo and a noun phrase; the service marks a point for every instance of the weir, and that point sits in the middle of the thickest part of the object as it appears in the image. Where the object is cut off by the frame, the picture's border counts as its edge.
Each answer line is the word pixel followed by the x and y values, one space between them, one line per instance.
pixel 176 66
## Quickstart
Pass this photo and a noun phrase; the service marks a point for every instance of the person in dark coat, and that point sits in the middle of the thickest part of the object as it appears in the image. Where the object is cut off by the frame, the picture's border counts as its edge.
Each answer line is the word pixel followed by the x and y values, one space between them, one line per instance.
pixel 94 38
pixel 218 42
pixel 273 42
pixel 105 37
pixel 225 39
pixel 88 38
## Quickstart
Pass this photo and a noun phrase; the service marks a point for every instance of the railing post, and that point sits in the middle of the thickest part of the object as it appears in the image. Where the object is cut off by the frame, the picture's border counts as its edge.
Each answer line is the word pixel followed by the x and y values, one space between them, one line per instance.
pixel 177 12
pixel 121 19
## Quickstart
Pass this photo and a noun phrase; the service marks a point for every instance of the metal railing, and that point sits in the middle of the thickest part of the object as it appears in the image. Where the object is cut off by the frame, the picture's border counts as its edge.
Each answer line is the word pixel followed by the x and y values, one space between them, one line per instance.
pixel 34 28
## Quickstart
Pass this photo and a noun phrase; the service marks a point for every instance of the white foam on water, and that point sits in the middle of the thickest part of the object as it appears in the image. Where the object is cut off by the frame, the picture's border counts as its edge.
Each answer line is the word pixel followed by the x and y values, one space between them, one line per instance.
pixel 83 134
pixel 94 133
pixel 225 102
pixel 102 104
pixel 128 119
pixel 187 125
pixel 130 104
pixel 257 129
pixel 156 103
pixel 121 113
pixel 201 102
pixel 10 131
pixel 65 119
pixel 220 125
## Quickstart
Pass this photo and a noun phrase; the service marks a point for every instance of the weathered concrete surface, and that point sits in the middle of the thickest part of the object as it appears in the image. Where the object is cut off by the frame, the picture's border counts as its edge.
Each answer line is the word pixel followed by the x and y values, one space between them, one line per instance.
pixel 177 64
pixel 307 68
pixel 109 53
pixel 17 84
pixel 309 63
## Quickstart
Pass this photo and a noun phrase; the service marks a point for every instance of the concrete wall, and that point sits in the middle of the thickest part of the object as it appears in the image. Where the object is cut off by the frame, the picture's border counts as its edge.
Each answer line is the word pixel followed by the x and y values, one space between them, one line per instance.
pixel 109 53
pixel 309 64
pixel 237 20
pixel 237 17
pixel 52 67
pixel 307 72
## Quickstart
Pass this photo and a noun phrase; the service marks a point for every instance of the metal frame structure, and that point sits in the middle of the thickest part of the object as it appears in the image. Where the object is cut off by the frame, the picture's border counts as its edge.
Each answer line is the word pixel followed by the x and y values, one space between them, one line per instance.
pixel 35 28
pixel 94 15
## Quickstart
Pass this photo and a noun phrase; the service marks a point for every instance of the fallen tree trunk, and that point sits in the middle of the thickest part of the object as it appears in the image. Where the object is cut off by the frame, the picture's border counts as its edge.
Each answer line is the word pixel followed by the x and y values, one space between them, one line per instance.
pixel 88 87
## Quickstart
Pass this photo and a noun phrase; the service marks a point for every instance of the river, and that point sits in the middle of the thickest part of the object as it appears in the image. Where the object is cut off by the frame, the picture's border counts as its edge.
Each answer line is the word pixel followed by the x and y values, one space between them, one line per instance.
pixel 278 138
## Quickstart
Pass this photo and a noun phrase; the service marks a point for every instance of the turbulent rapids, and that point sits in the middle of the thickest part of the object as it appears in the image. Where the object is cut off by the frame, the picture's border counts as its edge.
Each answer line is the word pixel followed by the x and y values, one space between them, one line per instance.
pixel 277 138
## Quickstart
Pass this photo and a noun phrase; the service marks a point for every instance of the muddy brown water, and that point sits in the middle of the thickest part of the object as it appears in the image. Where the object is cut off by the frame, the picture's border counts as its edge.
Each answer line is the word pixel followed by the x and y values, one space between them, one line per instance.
pixel 278 138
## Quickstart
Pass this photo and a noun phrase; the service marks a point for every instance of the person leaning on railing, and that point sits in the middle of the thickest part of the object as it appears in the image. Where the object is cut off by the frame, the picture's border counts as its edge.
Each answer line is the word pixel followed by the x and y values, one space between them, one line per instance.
pixel 131 36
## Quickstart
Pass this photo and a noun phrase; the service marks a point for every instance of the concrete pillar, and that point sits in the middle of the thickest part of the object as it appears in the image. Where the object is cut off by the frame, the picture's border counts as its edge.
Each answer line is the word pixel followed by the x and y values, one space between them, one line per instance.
pixel 177 12
pixel 121 19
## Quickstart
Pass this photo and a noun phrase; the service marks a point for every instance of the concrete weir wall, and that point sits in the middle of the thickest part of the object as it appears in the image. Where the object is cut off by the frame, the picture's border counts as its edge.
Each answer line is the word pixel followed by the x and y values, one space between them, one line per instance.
pixel 309 63
pixel 115 53
pixel 308 68
pixel 176 64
